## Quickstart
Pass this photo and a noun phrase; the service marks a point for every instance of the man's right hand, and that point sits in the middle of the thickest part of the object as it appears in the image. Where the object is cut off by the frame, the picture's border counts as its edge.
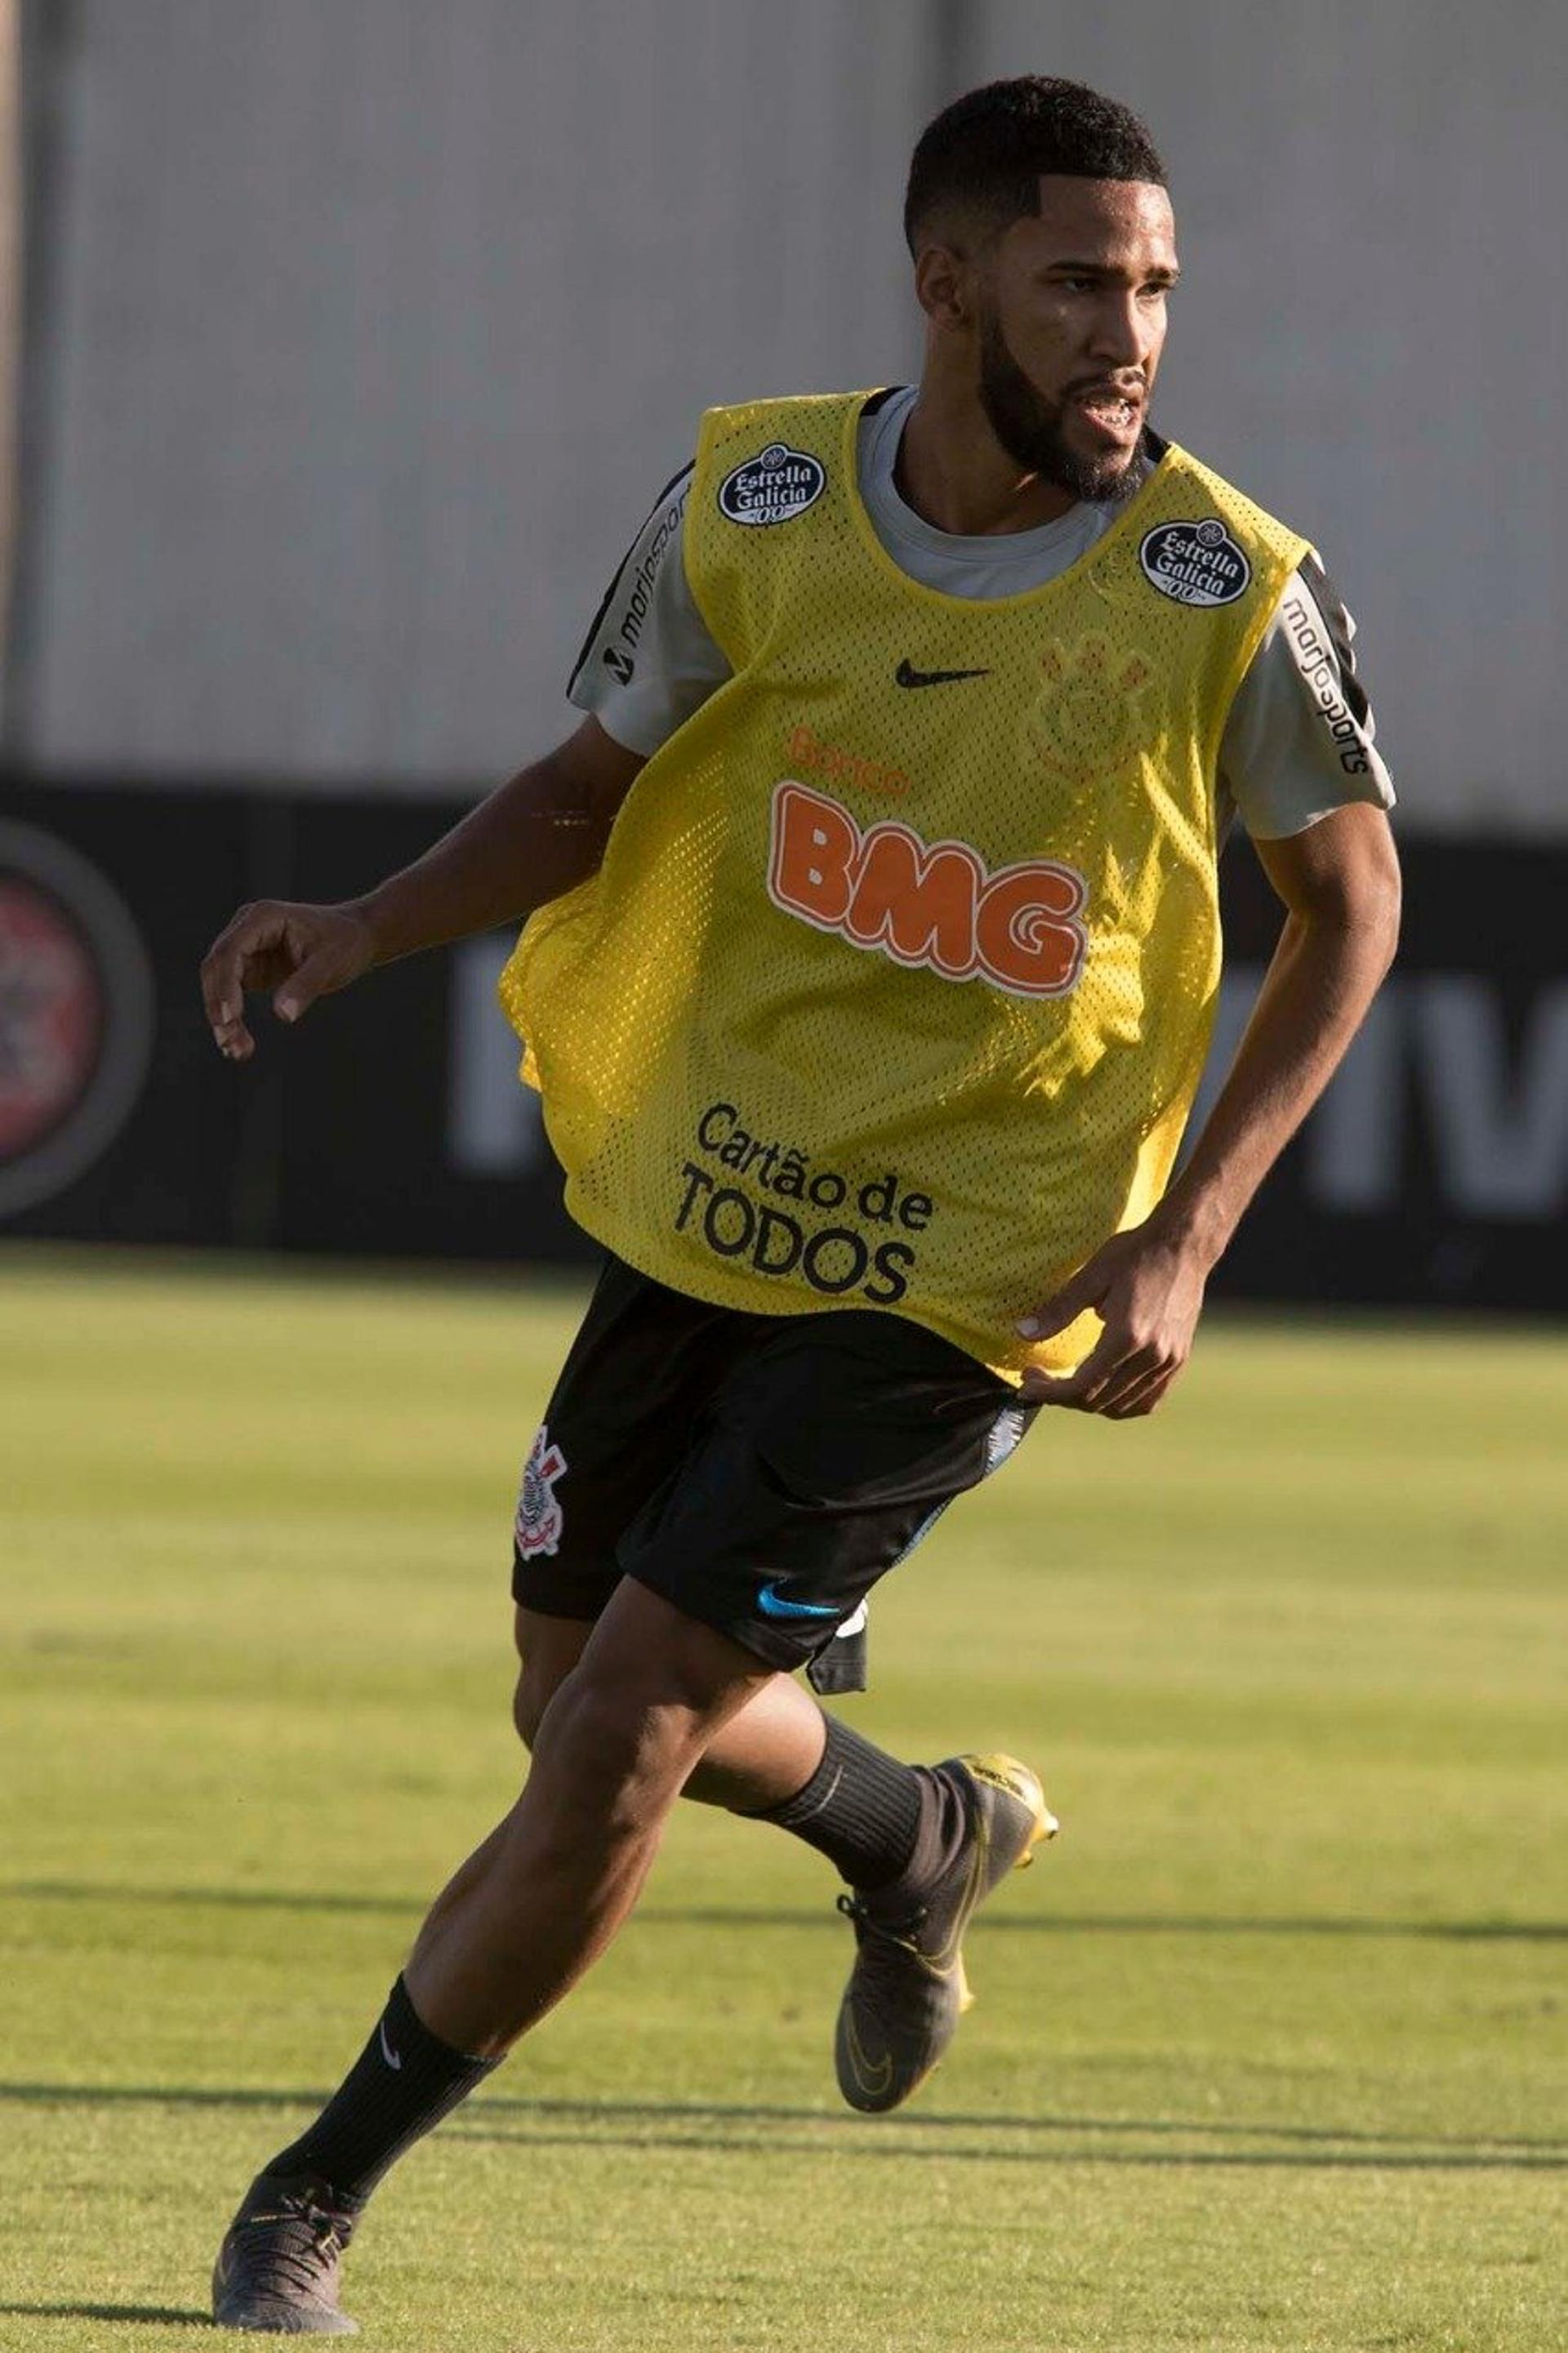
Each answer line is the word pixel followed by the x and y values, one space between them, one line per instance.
pixel 298 953
pixel 533 839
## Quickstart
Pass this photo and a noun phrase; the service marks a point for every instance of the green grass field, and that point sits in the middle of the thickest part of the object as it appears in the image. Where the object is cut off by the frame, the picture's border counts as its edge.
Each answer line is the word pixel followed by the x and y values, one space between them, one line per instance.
pixel 1269 2050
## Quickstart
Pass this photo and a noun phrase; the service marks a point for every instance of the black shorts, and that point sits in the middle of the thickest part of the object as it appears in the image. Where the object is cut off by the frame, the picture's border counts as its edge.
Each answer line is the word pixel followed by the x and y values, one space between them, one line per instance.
pixel 760 1472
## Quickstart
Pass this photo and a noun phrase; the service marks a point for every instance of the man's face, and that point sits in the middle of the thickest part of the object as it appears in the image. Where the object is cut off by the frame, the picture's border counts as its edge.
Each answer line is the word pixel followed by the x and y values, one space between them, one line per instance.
pixel 1071 309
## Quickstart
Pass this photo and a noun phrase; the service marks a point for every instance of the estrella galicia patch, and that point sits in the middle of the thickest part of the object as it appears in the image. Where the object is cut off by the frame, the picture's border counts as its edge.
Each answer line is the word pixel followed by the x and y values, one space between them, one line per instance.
pixel 775 486
pixel 1195 563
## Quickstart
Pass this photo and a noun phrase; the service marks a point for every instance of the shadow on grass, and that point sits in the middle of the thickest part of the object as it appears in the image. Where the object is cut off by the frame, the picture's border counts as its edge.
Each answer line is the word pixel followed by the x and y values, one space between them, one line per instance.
pixel 655 1915
pixel 162 2314
pixel 949 2152
pixel 1308 2145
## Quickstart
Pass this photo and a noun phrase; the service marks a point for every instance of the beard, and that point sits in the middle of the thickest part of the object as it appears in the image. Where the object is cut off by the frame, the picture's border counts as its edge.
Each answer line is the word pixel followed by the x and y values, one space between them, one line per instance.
pixel 1029 427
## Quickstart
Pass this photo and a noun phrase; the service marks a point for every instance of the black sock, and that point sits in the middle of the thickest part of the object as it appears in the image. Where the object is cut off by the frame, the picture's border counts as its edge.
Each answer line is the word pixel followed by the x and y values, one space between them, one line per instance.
pixel 861 1807
pixel 401 2085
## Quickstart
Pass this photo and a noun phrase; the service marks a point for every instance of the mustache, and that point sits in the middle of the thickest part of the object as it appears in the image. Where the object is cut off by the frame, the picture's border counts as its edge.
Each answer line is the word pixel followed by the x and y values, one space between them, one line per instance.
pixel 1137 391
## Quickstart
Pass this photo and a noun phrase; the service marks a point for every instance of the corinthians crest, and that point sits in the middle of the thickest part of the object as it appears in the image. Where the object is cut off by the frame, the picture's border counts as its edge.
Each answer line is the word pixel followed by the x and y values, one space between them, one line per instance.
pixel 1086 721
pixel 539 1520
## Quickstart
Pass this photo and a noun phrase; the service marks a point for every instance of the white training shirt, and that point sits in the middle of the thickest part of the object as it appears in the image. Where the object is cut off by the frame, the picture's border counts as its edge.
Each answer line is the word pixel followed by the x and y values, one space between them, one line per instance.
pixel 1298 742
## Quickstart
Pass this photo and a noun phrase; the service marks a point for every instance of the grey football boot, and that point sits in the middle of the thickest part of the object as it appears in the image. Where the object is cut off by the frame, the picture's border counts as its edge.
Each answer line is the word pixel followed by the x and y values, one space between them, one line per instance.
pixel 276 2269
pixel 908 1988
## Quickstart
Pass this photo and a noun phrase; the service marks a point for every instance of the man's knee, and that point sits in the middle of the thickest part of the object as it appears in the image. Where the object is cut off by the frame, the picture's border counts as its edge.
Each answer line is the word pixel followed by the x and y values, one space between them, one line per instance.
pixel 601 1735
pixel 631 1721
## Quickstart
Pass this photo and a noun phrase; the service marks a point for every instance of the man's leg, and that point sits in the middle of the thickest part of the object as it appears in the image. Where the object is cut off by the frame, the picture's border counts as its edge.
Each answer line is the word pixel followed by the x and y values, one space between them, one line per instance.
pixel 831 1450
pixel 633 1408
pixel 514 1929
pixel 779 1759
pixel 651 1690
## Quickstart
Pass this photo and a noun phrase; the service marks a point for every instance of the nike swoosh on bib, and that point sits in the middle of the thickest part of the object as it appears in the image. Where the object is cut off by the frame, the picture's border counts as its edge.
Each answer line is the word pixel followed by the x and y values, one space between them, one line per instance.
pixel 772 1604
pixel 908 675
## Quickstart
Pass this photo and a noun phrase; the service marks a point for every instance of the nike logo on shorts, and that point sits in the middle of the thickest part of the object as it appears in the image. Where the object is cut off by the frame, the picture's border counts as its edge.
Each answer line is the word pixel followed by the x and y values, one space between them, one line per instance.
pixel 772 1604
pixel 392 2057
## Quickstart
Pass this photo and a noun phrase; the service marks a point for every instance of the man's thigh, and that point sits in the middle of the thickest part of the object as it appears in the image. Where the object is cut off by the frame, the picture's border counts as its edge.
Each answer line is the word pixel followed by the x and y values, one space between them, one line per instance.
pixel 827 1450
pixel 636 1382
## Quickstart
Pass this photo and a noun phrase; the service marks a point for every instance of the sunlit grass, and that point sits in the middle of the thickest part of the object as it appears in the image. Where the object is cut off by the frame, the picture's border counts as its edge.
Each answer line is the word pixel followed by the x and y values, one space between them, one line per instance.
pixel 1269 2050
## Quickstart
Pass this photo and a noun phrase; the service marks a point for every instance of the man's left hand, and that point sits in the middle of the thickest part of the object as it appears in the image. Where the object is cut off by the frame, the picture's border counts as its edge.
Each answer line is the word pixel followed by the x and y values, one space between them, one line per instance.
pixel 1147 1287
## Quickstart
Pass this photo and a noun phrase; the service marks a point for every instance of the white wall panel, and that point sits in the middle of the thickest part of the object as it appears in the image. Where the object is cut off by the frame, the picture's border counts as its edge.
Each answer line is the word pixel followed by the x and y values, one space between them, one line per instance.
pixel 1371 333
pixel 380 323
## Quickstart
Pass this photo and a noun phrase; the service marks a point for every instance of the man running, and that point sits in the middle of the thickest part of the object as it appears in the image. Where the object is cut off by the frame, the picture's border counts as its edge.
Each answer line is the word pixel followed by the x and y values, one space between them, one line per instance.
pixel 872 954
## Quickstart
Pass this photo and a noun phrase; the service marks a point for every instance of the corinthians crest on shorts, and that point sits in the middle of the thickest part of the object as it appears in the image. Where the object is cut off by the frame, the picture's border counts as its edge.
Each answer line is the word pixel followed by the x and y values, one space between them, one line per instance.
pixel 539 1516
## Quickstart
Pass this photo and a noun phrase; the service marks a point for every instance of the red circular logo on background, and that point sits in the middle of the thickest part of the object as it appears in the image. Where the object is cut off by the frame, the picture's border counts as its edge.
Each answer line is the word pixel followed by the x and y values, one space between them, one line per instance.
pixel 77 1012
pixel 52 1009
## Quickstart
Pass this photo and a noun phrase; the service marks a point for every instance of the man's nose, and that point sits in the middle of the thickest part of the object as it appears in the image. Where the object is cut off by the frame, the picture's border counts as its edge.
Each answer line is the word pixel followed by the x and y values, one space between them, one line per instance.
pixel 1123 335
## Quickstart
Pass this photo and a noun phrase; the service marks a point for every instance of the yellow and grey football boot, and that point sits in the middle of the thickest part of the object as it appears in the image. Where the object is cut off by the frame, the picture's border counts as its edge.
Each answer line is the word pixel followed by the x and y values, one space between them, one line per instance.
pixel 908 1988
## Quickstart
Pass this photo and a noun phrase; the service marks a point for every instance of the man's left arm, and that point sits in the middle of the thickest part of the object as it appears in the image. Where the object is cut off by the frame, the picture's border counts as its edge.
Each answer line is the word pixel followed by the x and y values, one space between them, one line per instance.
pixel 1339 883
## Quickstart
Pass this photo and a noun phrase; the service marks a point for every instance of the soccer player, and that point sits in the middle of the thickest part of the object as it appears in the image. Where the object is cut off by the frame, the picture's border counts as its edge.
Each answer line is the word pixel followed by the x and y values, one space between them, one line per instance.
pixel 871 955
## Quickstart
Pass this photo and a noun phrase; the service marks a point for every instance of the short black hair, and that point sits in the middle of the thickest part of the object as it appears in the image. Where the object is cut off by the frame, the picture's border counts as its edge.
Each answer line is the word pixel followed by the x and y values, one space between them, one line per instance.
pixel 987 152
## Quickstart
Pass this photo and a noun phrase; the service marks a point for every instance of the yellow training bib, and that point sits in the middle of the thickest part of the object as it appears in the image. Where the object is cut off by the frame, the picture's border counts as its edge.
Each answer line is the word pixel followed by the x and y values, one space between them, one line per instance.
pixel 895 985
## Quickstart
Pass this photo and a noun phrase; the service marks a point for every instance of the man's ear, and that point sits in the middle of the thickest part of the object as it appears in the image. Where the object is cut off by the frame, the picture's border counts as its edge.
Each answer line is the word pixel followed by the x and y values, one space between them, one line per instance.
pixel 943 287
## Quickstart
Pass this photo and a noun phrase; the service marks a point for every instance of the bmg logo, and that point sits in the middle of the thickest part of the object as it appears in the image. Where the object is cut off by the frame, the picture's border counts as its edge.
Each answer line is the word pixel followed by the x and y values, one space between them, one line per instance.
pixel 930 905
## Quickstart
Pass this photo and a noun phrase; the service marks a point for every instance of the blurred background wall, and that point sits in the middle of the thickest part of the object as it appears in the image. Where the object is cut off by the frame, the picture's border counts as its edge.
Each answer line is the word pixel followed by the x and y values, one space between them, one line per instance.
pixel 356 340
pixel 366 334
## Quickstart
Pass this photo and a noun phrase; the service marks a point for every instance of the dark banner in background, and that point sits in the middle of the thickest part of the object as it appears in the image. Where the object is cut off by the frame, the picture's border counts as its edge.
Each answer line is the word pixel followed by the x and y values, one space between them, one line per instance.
pixel 391 1121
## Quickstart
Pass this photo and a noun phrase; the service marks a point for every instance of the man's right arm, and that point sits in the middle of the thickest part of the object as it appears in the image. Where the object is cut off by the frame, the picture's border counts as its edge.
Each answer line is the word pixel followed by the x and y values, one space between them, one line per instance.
pixel 532 840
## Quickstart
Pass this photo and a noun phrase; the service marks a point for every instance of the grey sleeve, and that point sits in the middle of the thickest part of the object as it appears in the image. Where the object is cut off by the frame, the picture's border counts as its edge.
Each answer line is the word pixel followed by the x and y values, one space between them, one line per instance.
pixel 650 660
pixel 1298 743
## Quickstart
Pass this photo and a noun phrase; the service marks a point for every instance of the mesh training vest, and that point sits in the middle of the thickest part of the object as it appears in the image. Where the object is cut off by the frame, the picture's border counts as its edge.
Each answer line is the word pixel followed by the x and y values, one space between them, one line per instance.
pixel 895 985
